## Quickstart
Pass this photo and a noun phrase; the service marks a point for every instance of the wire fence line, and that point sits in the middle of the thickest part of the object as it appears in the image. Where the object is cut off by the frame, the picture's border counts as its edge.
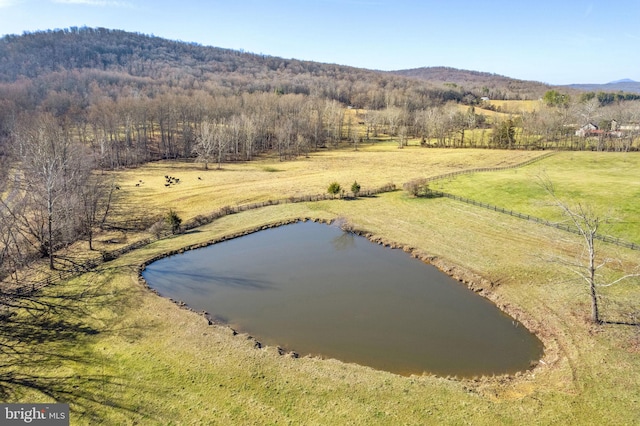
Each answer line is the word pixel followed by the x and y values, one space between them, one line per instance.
pixel 489 169
pixel 562 226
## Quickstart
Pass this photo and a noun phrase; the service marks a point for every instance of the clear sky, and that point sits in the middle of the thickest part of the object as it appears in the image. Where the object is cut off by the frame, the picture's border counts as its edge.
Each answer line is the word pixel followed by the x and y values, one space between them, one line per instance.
pixel 553 41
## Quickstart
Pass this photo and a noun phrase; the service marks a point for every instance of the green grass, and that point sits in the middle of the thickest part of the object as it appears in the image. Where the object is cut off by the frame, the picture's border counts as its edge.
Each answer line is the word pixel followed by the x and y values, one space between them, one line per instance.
pixel 608 181
pixel 137 358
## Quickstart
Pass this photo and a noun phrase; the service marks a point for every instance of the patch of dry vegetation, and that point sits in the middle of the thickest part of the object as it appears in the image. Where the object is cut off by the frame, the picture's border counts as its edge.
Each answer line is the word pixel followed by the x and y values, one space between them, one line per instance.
pixel 373 165
pixel 516 107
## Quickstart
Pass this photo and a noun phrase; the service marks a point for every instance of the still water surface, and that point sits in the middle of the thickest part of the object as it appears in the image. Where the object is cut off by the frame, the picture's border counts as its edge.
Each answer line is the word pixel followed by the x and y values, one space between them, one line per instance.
pixel 317 290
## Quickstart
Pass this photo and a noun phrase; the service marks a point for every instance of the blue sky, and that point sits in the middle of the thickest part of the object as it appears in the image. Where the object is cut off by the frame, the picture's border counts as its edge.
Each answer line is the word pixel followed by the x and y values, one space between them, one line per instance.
pixel 553 41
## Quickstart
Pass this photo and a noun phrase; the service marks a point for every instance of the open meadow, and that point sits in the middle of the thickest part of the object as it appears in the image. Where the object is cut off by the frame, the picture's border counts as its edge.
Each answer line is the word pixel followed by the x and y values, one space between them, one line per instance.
pixel 120 354
pixel 515 106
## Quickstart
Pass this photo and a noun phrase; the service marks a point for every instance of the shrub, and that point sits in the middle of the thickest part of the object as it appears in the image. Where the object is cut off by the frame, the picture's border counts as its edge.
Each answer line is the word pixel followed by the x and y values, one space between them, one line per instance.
pixel 157 228
pixel 355 188
pixel 173 220
pixel 417 187
pixel 334 188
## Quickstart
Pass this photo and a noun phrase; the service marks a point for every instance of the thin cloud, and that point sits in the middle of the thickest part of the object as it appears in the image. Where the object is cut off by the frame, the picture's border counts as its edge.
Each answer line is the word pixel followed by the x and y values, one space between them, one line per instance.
pixel 99 3
pixel 589 10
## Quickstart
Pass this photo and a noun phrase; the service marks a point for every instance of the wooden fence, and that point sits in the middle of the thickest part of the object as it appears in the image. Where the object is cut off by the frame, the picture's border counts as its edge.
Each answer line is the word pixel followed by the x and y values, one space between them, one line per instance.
pixel 562 226
pixel 489 169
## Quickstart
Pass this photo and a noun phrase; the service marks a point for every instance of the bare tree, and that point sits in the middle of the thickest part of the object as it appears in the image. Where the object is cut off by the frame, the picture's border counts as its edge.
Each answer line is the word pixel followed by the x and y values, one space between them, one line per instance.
pixel 354 133
pixel 95 196
pixel 13 253
pixel 205 143
pixel 53 169
pixel 587 265
pixel 250 131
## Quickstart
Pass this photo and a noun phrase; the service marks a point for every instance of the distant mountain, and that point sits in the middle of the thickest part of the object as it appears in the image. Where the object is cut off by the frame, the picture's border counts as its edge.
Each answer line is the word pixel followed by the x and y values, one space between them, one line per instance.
pixel 624 80
pixel 624 85
pixel 493 85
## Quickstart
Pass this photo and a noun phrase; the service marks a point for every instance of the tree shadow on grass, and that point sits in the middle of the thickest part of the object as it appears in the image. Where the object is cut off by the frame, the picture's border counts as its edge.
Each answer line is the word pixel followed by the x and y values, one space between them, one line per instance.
pixel 48 350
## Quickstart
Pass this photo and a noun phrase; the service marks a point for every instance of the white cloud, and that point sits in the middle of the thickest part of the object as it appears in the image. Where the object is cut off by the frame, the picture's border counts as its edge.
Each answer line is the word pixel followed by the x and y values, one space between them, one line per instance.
pixel 100 3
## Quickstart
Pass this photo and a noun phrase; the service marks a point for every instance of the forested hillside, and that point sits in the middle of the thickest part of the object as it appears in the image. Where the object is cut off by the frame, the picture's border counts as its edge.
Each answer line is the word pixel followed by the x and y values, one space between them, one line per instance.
pixel 74 59
pixel 486 84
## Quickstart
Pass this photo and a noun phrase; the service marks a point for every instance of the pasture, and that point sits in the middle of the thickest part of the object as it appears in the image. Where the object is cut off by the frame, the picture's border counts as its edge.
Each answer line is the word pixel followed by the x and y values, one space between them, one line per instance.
pixel 132 357
pixel 515 106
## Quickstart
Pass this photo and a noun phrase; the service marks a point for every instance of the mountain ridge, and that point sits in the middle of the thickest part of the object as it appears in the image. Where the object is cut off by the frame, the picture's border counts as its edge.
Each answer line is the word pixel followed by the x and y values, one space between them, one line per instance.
pixel 623 85
pixel 146 59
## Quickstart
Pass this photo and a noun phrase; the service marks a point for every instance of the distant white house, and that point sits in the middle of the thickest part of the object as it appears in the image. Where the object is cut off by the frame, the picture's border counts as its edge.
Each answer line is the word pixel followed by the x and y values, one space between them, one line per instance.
pixel 588 129
pixel 616 131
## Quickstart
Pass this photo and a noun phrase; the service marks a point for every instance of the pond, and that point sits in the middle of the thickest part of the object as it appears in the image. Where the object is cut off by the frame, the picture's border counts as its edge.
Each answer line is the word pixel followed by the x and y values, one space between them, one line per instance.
pixel 317 290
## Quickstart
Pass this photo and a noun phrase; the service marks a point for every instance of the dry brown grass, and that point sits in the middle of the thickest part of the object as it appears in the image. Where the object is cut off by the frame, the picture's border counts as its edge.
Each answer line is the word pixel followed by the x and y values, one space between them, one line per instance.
pixel 516 107
pixel 373 165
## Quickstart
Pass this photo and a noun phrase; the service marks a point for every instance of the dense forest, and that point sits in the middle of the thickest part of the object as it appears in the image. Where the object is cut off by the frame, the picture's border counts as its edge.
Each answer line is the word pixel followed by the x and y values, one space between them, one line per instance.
pixel 76 100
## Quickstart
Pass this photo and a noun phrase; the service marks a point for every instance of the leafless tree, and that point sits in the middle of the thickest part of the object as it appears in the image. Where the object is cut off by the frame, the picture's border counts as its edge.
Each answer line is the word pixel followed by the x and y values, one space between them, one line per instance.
pixel 354 133
pixel 587 265
pixel 13 247
pixel 206 143
pixel 95 196
pixel 334 117
pixel 53 168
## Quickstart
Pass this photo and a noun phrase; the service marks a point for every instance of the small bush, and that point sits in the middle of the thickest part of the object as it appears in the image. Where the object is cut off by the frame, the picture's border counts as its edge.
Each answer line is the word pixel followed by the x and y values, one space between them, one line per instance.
pixel 157 229
pixel 200 220
pixel 417 187
pixel 173 220
pixel 334 188
pixel 355 188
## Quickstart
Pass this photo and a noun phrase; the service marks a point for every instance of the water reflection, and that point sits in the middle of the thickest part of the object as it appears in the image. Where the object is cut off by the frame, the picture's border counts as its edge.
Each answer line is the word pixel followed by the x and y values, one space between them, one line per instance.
pixel 344 241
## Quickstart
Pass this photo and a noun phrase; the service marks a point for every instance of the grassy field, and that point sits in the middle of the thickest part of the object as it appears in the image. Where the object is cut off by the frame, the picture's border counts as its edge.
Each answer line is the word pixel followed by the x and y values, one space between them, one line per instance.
pixel 122 355
pixel 610 181
pixel 516 107
pixel 373 165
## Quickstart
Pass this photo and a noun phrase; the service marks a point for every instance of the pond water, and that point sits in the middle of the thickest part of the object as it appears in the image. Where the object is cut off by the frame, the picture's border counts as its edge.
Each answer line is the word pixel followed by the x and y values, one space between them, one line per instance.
pixel 316 290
